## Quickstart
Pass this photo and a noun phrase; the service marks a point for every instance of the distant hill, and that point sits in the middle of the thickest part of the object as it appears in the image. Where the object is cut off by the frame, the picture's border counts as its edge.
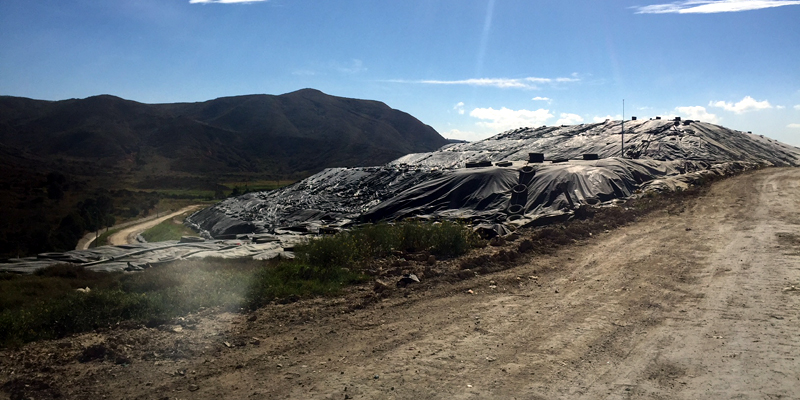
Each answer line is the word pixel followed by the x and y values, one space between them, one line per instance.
pixel 59 159
pixel 302 131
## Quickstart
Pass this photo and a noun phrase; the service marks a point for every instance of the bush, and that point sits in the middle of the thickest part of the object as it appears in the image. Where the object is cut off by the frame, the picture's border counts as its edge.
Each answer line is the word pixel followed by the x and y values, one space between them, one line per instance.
pixel 352 249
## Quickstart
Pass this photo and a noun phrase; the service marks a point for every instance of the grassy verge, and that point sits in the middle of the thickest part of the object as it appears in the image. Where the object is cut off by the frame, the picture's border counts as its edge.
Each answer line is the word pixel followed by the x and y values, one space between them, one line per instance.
pixel 102 240
pixel 171 229
pixel 47 305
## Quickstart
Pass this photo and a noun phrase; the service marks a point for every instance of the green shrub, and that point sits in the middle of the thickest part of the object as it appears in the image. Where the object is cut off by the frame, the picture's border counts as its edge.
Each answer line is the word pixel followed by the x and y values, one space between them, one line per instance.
pixel 352 249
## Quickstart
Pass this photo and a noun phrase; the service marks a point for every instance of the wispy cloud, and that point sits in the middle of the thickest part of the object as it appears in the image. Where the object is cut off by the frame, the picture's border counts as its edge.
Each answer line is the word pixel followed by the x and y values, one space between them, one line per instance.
pixel 503 83
pixel 697 113
pixel 712 6
pixel 224 1
pixel 797 107
pixel 747 104
pixel 795 126
pixel 459 107
pixel 464 135
pixel 539 98
pixel 569 119
pixel 505 119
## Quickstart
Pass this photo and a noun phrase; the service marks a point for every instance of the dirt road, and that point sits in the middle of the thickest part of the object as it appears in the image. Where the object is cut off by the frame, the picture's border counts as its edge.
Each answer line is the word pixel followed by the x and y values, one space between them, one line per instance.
pixel 128 234
pixel 694 304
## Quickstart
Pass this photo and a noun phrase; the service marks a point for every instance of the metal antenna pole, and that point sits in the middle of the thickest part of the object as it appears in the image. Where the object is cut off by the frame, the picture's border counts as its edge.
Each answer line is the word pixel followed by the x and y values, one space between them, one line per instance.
pixel 622 147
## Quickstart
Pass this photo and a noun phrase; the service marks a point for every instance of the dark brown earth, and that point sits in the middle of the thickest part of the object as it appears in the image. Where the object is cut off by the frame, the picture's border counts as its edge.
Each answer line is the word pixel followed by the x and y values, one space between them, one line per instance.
pixel 697 303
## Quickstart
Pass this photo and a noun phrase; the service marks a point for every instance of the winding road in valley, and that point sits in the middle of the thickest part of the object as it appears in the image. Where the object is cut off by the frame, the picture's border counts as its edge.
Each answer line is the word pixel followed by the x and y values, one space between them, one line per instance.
pixel 128 230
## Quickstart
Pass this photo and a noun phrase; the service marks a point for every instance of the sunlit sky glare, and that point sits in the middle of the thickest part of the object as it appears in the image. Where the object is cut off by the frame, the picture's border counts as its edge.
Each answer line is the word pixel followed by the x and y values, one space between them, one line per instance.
pixel 468 68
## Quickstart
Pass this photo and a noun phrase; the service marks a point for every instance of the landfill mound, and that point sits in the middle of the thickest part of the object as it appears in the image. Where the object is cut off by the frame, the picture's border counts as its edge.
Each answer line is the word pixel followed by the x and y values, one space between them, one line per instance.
pixel 644 139
pixel 522 177
pixel 493 183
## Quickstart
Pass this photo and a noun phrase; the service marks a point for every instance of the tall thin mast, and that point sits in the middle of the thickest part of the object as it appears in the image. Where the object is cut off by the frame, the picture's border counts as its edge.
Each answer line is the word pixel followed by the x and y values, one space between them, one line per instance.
pixel 622 147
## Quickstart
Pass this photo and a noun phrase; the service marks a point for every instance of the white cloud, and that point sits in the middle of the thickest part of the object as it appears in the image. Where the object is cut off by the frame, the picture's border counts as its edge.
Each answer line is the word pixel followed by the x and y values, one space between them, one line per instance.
pixel 712 6
pixel 795 126
pixel 464 135
pixel 224 1
pixel 503 83
pixel 697 113
pixel 611 117
pixel 747 104
pixel 459 107
pixel 505 119
pixel 569 119
pixel 797 107
pixel 780 107
pixel 539 98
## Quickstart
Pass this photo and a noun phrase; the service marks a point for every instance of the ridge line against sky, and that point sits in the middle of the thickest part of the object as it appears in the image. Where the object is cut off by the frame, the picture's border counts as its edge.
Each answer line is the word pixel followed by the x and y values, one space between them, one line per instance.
pixel 468 68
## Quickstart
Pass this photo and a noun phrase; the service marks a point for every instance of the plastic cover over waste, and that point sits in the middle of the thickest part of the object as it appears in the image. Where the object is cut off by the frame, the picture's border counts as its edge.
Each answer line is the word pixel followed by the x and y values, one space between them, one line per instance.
pixel 501 189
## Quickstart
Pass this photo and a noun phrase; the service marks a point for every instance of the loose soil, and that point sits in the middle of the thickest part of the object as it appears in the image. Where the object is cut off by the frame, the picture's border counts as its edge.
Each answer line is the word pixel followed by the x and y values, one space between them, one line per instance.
pixel 698 302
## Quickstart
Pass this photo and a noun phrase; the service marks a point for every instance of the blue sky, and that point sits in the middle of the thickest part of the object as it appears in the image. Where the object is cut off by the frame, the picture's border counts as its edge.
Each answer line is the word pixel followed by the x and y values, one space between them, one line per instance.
pixel 468 68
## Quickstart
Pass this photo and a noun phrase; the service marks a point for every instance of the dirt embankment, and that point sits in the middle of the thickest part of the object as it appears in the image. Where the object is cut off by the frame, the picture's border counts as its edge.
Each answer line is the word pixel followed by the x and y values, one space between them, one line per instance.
pixel 698 303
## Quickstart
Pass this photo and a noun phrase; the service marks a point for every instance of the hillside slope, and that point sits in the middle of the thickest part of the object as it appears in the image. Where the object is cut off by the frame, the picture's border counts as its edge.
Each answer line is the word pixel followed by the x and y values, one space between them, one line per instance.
pixel 302 131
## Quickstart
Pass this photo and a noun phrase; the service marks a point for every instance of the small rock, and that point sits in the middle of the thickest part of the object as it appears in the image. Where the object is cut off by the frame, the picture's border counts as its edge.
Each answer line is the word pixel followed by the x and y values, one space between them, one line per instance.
pixel 431 260
pixel 193 388
pixel 497 241
pixel 252 317
pixel 376 376
pixel 379 286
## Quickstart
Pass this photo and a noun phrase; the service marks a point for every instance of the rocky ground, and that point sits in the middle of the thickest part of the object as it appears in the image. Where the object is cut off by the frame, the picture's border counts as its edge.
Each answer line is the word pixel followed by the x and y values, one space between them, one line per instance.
pixel 695 302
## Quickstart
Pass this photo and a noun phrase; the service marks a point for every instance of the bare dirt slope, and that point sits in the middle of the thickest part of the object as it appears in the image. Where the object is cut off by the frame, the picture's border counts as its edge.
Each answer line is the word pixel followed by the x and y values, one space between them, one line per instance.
pixel 687 304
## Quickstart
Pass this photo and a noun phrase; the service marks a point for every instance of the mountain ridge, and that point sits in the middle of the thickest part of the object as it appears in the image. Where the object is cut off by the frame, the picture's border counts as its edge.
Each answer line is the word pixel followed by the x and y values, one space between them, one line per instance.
pixel 302 131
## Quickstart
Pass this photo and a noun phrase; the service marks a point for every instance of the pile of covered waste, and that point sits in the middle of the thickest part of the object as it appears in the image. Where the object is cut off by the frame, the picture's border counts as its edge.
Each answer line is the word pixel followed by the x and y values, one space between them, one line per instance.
pixel 522 177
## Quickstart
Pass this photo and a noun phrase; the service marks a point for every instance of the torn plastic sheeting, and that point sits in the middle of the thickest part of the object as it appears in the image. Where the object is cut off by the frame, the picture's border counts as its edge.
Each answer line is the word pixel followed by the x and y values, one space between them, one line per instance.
pixel 260 251
pixel 117 258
